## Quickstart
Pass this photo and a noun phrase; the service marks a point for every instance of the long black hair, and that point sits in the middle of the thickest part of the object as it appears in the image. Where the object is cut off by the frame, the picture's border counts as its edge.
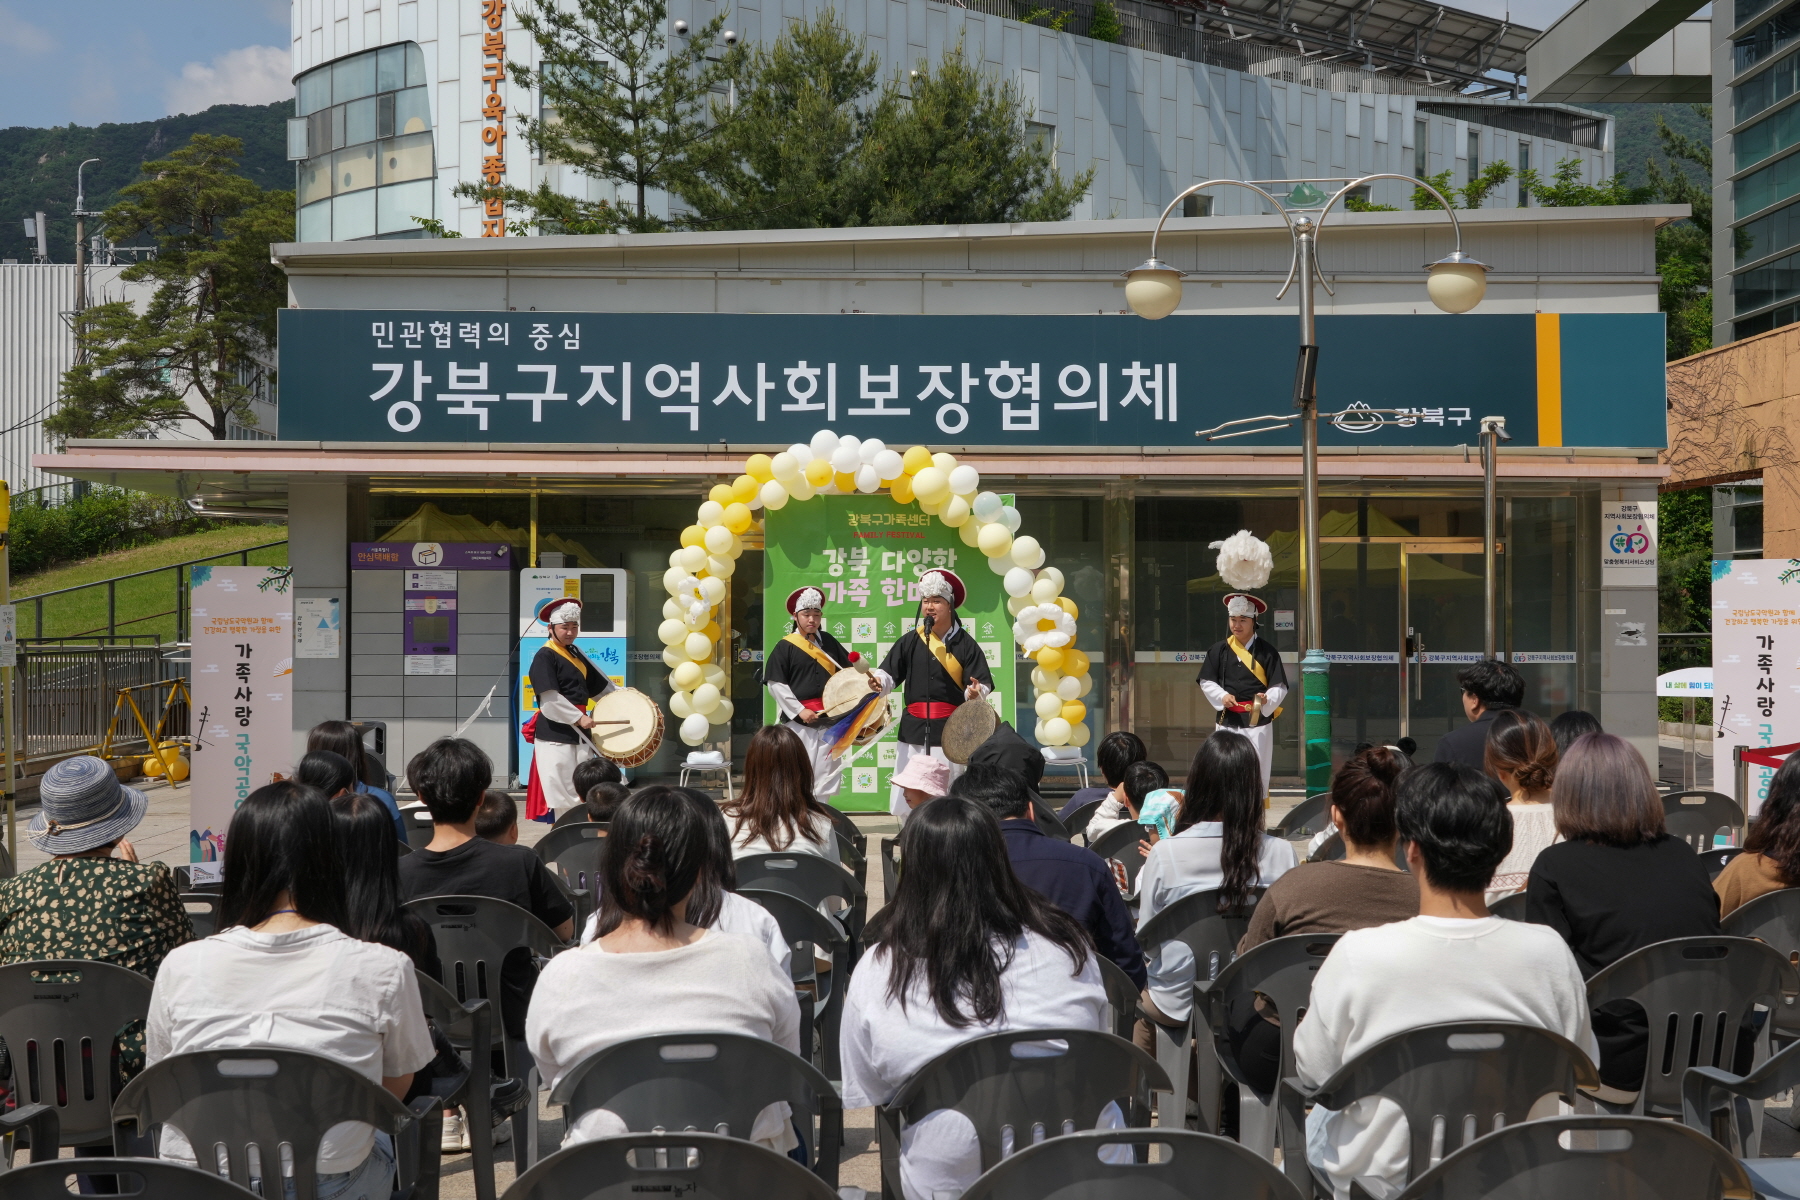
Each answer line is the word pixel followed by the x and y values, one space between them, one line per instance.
pixel 721 865
pixel 281 840
pixel 957 911
pixel 343 738
pixel 370 851
pixel 1225 785
pixel 328 771
pixel 659 851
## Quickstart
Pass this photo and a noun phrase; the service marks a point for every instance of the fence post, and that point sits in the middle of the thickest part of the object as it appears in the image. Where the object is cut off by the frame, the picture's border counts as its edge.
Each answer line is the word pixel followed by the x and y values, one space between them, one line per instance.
pixel 40 616
pixel 112 608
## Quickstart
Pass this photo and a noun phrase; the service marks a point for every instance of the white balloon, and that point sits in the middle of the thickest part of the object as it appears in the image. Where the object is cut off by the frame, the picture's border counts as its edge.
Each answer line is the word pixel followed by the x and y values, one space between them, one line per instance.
pixel 720 568
pixel 696 617
pixel 970 532
pixel 672 580
pixel 1044 590
pixel 675 556
pixel 722 714
pixel 1026 553
pixel 1000 566
pixel 1010 518
pixel 1048 705
pixel 714 674
pixel 693 729
pixel 672 609
pixel 964 479
pixel 802 454
pixel 699 647
pixel 1017 582
pixel 1079 734
pixel 867 479
pixel 1053 573
pixel 681 704
pixel 955 512
pixel 1086 679
pixel 1032 562
pixel 784 466
pixel 706 698
pixel 1045 681
pixel 712 590
pixel 888 464
pixel 711 512
pixel 687 677
pixel 802 490
pixel 1017 604
pixel 674 656
pixel 872 449
pixel 755 503
pixel 693 559
pixel 671 632
pixel 987 506
pixel 774 496
pixel 1069 687
pixel 823 443
pixel 1056 732
pixel 718 539
pixel 853 442
pixel 845 460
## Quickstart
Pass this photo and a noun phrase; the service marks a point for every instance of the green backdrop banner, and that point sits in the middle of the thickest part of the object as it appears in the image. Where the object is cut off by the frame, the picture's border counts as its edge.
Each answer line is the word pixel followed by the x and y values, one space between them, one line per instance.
pixel 865 554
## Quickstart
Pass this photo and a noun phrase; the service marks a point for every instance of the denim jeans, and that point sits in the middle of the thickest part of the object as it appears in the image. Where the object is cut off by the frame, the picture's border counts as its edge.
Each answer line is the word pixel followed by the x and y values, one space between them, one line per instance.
pixel 373 1180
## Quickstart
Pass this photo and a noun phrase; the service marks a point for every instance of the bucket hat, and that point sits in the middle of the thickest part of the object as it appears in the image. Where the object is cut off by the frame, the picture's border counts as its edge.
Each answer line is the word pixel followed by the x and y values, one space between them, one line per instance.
pixel 925 774
pixel 83 805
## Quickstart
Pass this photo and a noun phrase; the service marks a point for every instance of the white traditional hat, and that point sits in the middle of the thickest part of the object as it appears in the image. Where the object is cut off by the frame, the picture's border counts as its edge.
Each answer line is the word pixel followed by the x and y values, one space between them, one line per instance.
pixel 1242 604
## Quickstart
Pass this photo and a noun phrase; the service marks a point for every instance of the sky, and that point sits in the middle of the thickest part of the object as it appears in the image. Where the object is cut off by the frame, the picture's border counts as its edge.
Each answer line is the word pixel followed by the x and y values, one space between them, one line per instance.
pixel 85 62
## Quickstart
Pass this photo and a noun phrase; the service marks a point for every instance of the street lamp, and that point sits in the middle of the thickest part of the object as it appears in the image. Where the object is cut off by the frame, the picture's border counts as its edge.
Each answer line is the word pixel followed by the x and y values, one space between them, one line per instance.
pixel 1455 284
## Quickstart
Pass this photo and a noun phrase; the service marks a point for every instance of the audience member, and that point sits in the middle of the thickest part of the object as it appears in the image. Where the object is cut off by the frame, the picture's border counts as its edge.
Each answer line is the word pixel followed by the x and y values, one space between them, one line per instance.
pixel 1771 857
pixel 283 974
pixel 1567 727
pixel 1123 806
pixel 961 950
pixel 1006 748
pixel 1218 845
pixel 1452 962
pixel 331 773
pixel 1521 753
pixel 1117 751
pixel 1077 881
pixel 655 966
pixel 922 779
pixel 603 800
pixel 1489 688
pixel 776 812
pixel 497 818
pixel 1617 883
pixel 93 899
pixel 592 772
pixel 450 776
pixel 345 740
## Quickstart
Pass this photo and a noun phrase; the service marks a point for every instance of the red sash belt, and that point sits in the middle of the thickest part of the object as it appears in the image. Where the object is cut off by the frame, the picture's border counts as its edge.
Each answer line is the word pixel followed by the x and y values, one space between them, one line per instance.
pixel 817 705
pixel 930 710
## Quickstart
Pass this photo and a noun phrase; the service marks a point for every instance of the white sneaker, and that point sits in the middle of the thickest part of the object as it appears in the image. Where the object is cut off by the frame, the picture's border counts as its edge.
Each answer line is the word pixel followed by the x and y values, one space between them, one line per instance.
pixel 503 1132
pixel 456 1134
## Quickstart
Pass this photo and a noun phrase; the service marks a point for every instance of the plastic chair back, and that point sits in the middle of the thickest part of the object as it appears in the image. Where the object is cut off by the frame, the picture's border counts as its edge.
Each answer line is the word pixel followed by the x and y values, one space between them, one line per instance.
pixel 1283 970
pixel 890 869
pixel 812 879
pixel 1773 917
pixel 806 929
pixel 420 828
pixel 267 1099
pixel 694 1166
pixel 1718 859
pixel 203 911
pixel 1703 1089
pixel 184 881
pixel 1121 996
pixel 1191 1164
pixel 467 1026
pixel 1454 1082
pixel 852 859
pixel 1020 1087
pixel 1305 818
pixel 1695 816
pixel 840 821
pixel 1586 1156
pixel 1047 820
pixel 1511 908
pixel 713 1081
pixel 148 1178
pixel 561 837
pixel 1077 821
pixel 571 816
pixel 1212 935
pixel 58 1018
pixel 474 934
pixel 1697 993
pixel 1120 844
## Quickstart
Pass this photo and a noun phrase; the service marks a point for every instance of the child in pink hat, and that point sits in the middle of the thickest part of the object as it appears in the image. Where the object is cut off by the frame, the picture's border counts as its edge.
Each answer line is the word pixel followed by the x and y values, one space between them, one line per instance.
pixel 923 778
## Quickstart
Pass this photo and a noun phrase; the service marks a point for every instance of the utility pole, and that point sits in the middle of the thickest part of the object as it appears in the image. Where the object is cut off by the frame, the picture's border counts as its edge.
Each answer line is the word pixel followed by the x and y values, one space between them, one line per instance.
pixel 81 216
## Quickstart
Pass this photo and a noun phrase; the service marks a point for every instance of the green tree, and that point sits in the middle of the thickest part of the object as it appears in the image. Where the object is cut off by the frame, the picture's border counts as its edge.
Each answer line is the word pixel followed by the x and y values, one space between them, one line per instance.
pixel 1684 586
pixel 1684 248
pixel 622 106
pixel 211 318
pixel 1105 26
pixel 1472 194
pixel 1564 188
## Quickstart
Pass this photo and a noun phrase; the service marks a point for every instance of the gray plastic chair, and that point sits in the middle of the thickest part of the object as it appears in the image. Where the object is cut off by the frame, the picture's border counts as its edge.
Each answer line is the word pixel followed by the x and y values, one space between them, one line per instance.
pixel 694 1166
pixel 561 837
pixel 1120 845
pixel 466 1025
pixel 1010 1089
pixel 580 899
pixel 1773 917
pixel 149 1178
pixel 1695 817
pixel 1473 1076
pixel 805 928
pixel 1121 996
pixel 571 816
pixel 852 859
pixel 1727 1107
pixel 1213 937
pixel 269 1098
pixel 890 870
pixel 1283 970
pixel 812 879
pixel 1607 1157
pixel 1047 820
pixel 1511 908
pixel 420 828
pixel 1697 993
pixel 1305 819
pixel 50 1013
pixel 203 911
pixel 712 1081
pixel 1193 1164
pixel 1718 859
pixel 1077 821
pixel 840 821
pixel 580 860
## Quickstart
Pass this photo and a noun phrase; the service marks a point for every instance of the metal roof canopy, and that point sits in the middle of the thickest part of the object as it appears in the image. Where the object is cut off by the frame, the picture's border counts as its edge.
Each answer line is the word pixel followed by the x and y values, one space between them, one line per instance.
pixel 1427 43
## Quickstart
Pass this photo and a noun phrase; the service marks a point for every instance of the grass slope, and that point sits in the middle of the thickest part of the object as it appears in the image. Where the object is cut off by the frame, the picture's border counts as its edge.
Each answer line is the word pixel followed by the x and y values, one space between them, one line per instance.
pixel 144 605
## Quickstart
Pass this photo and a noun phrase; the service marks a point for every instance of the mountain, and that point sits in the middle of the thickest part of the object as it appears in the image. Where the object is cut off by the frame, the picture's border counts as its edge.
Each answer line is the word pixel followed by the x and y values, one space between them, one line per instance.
pixel 1634 134
pixel 37 166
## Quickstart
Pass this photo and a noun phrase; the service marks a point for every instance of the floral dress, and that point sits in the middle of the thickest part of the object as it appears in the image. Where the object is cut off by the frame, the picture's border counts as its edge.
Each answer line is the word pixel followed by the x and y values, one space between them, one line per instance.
pixel 104 909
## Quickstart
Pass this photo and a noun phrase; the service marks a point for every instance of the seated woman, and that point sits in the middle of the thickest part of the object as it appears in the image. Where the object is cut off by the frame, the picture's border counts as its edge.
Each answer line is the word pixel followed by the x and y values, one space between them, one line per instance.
pixel 1218 845
pixel 1771 857
pixel 345 740
pixel 282 973
pixel 1521 754
pixel 776 811
pixel 1617 883
pixel 331 773
pixel 655 966
pixel 961 950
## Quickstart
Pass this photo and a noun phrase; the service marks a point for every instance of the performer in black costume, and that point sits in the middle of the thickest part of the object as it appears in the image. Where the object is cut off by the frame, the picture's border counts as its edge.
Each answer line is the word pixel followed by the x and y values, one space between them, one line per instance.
pixel 941 666
pixel 1229 676
pixel 564 681
pixel 795 675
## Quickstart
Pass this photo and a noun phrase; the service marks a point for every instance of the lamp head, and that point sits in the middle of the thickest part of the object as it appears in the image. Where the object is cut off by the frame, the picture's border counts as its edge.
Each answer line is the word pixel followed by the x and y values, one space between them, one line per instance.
pixel 1153 290
pixel 1456 283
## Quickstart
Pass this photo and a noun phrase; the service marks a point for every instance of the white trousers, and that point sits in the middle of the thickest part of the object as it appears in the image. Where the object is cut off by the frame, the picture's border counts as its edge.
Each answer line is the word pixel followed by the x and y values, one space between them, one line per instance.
pixel 897 795
pixel 556 763
pixel 828 772
pixel 1263 738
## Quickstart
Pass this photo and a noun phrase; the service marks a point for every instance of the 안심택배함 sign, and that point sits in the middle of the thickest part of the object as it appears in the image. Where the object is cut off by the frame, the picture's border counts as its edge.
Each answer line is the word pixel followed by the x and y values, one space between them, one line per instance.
pixel 1756 666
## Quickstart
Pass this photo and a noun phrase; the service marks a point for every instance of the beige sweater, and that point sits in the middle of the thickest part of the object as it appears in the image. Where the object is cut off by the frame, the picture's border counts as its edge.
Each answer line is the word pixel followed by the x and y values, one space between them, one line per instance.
pixel 1331 897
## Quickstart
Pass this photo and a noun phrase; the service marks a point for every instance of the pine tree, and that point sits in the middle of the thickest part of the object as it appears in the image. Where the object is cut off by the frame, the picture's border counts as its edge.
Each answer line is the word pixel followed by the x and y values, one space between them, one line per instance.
pixel 1684 248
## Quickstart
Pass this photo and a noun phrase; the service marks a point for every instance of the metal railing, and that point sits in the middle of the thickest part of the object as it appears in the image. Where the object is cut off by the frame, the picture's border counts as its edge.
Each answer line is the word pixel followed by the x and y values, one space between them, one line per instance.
pixel 69 694
pixel 179 576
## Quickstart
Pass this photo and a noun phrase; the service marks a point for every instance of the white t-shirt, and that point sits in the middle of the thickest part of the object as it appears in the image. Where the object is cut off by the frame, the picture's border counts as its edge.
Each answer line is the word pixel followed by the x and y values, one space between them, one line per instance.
pixel 738 917
pixel 588 999
pixel 742 843
pixel 883 1045
pixel 1427 971
pixel 1180 866
pixel 318 990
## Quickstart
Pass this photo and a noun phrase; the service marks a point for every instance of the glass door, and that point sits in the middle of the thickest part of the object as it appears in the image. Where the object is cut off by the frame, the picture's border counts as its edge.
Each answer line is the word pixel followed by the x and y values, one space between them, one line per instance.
pixel 1442 618
pixel 1362 605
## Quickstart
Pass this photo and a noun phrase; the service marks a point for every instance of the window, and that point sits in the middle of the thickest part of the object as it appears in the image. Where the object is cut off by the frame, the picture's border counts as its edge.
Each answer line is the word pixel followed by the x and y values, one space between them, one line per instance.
pixel 1524 166
pixel 1772 36
pixel 1421 141
pixel 363 124
pixel 1474 155
pixel 1041 135
pixel 1767 235
pixel 1738 521
pixel 1766 137
pixel 1757 191
pixel 1767 89
pixel 1775 318
pixel 1196 205
pixel 1778 280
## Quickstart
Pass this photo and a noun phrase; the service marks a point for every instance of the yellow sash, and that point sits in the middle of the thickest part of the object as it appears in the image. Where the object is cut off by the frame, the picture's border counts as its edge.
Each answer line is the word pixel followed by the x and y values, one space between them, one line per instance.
pixel 813 652
pixel 579 661
pixel 951 664
pixel 1262 677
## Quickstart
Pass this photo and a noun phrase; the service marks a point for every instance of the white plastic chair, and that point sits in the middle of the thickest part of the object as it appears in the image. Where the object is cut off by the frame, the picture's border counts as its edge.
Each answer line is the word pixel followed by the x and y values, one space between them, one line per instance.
pixel 705 763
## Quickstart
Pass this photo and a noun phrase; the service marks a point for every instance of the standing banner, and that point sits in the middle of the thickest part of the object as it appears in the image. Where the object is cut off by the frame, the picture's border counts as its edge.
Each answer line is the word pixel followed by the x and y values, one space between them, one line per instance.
pixel 865 553
pixel 1756 666
pixel 243 701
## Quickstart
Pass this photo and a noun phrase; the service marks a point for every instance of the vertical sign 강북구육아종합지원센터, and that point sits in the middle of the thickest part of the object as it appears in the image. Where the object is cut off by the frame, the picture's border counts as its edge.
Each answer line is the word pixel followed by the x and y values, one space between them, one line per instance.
pixel 1756 666
pixel 243 698
pixel 865 554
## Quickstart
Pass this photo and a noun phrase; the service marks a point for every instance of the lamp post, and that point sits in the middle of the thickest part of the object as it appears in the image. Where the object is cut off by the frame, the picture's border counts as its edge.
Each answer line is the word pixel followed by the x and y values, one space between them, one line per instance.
pixel 1455 284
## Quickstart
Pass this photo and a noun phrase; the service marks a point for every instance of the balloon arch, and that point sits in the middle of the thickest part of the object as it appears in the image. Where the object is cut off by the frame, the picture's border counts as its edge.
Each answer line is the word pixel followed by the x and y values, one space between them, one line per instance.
pixel 830 465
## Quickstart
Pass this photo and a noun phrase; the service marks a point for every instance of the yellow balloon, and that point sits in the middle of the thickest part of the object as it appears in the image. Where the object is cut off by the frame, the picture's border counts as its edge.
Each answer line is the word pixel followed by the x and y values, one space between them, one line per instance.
pixel 818 472
pixel 902 490
pixel 759 467
pixel 711 630
pixel 915 460
pixel 1074 711
pixel 744 489
pixel 1050 658
pixel 845 480
pixel 721 492
pixel 970 532
pixel 694 535
pixel 738 515
pixel 154 766
pixel 1068 606
pixel 1074 661
pixel 178 770
pixel 944 462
